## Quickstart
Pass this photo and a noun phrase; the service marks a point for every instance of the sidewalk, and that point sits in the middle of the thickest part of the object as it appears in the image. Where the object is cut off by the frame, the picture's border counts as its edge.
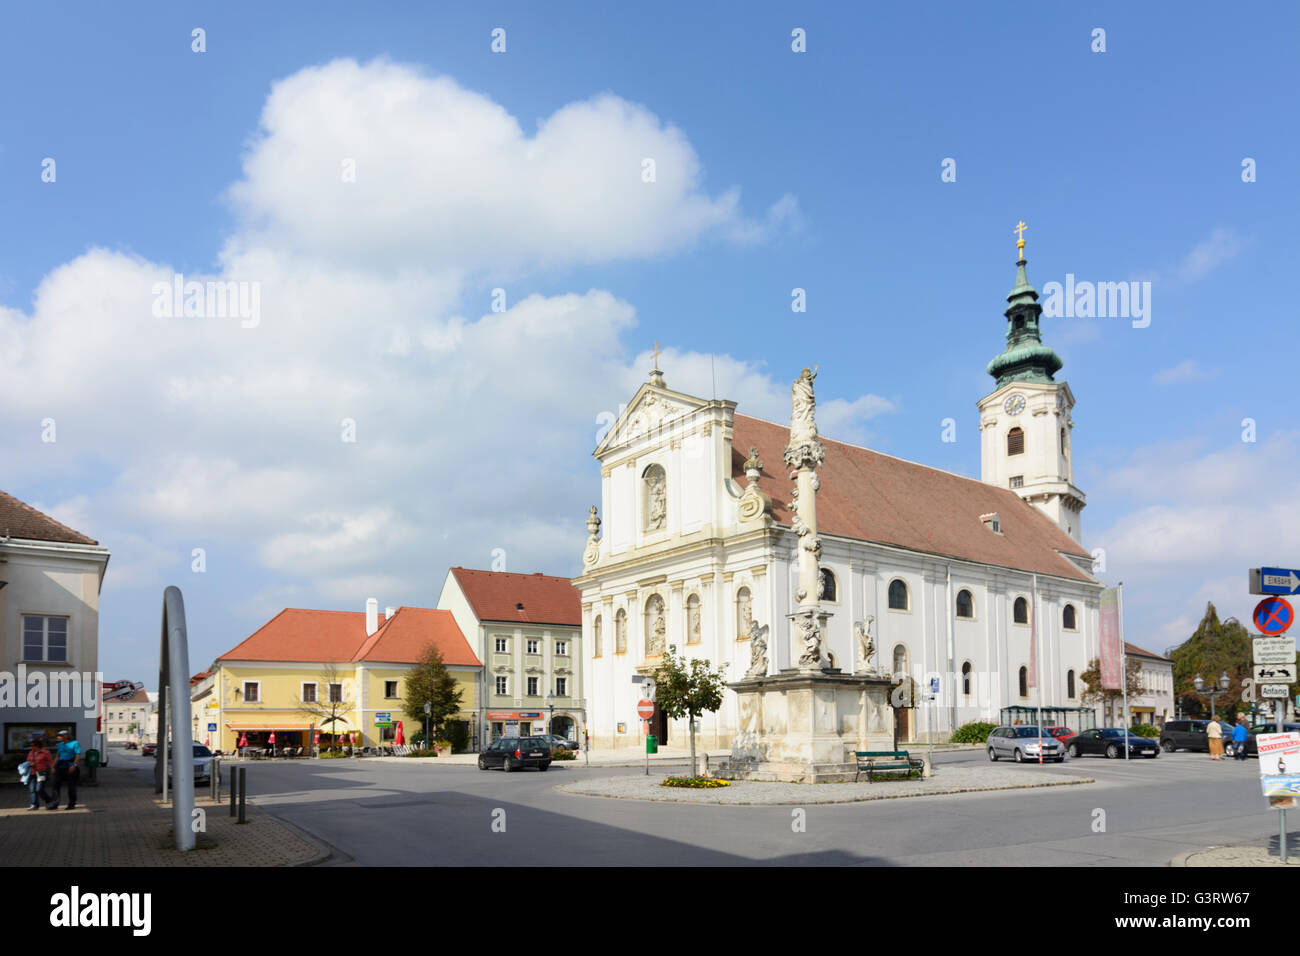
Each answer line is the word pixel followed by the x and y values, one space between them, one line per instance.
pixel 122 822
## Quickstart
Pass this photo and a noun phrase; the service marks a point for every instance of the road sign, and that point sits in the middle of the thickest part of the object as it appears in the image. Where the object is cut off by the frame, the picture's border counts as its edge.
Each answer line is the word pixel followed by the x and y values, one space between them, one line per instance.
pixel 1274 691
pixel 646 709
pixel 1274 650
pixel 1275 673
pixel 1279 754
pixel 1273 616
pixel 1274 581
pixel 384 719
pixel 211 727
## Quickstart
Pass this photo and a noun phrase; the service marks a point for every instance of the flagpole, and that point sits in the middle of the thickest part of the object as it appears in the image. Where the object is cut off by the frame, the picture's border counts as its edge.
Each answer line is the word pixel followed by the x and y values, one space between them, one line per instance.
pixel 1038 684
pixel 1123 663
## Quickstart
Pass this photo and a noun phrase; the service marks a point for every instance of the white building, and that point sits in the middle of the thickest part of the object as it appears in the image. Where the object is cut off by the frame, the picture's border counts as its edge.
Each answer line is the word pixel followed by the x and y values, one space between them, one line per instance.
pixel 50 579
pixel 950 576
pixel 1155 704
pixel 127 717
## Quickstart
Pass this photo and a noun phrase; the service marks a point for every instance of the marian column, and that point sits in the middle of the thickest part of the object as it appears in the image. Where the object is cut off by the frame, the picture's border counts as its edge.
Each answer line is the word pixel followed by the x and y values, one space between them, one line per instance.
pixel 804 454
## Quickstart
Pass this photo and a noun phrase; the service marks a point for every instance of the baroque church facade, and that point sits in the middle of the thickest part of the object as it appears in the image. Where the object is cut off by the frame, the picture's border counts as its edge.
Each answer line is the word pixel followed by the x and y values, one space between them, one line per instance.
pixel 982 585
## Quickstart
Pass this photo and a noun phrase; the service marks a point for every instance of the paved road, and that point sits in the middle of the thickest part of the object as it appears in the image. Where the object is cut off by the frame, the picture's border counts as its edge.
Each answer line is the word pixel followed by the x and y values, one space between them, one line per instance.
pixel 387 813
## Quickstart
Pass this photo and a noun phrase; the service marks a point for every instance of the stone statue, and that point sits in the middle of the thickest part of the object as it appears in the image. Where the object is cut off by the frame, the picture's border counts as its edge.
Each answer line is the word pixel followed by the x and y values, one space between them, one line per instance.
pixel 693 622
pixel 657 499
pixel 591 553
pixel 866 646
pixel 808 632
pixel 656 639
pixel 803 429
pixel 757 650
pixel 746 611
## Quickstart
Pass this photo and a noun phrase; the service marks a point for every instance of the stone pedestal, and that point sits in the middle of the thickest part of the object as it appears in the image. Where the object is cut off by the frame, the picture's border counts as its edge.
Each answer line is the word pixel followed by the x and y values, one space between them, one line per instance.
pixel 804 727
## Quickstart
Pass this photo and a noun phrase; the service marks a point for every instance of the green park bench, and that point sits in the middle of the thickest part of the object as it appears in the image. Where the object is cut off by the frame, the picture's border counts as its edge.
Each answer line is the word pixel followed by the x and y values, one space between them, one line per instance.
pixel 876 760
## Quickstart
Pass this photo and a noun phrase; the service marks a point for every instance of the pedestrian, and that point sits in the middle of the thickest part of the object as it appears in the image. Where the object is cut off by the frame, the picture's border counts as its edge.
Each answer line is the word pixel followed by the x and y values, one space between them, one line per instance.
pixel 67 769
pixel 1239 737
pixel 40 763
pixel 1214 733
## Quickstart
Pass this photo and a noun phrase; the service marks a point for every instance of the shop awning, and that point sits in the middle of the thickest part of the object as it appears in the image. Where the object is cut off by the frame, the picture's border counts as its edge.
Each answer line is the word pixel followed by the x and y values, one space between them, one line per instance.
pixel 283 725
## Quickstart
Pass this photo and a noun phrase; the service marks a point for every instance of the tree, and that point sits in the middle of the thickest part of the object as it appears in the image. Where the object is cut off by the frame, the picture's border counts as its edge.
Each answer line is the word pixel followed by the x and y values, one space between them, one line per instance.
pixel 332 711
pixel 688 689
pixel 1093 693
pixel 1215 647
pixel 429 682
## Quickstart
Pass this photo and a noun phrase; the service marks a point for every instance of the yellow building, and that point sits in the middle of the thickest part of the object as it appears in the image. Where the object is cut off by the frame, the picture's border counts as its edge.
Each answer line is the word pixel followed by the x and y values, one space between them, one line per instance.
pixel 336 673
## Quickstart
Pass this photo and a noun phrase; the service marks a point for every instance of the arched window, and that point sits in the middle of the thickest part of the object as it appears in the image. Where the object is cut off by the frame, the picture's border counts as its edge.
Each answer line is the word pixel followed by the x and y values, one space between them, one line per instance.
pixel 965 604
pixel 595 636
pixel 897 595
pixel 965 678
pixel 1020 611
pixel 693 619
pixel 830 591
pixel 656 626
pixel 1024 682
pixel 744 612
pixel 655 481
pixel 1068 620
pixel 900 659
pixel 620 632
pixel 1069 684
pixel 1016 441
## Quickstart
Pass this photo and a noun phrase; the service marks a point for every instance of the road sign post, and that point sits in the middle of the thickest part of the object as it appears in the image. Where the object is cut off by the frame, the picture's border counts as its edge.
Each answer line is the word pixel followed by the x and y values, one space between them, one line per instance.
pixel 1274 581
pixel 645 709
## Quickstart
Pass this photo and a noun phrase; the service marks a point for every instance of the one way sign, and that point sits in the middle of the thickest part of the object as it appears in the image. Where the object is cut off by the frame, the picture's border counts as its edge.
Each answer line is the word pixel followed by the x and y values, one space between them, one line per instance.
pixel 1274 581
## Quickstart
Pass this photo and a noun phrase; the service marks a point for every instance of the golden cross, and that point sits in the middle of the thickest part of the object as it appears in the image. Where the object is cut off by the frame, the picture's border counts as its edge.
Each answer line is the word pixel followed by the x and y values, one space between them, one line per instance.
pixel 1020 237
pixel 655 353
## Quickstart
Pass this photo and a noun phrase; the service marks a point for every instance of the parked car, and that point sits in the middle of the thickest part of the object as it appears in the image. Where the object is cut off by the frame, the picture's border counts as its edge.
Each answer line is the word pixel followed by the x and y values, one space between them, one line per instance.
pixel 1252 746
pixel 1063 734
pixel 511 753
pixel 1110 742
pixel 1185 735
pixel 202 764
pixel 149 749
pixel 564 742
pixel 131 745
pixel 1023 743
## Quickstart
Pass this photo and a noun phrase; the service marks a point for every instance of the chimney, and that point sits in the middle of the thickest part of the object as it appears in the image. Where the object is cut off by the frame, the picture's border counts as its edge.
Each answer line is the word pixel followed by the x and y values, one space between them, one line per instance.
pixel 389 612
pixel 372 615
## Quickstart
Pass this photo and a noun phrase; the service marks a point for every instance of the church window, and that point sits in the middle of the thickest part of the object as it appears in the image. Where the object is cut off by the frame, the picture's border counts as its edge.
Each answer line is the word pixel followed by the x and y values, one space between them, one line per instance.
pixel 595 637
pixel 900 659
pixel 744 613
pixel 1020 611
pixel 830 589
pixel 693 616
pixel 1024 682
pixel 897 595
pixel 966 670
pixel 1016 441
pixel 1068 619
pixel 1069 684
pixel 620 632
pixel 656 498
pixel 656 626
pixel 965 604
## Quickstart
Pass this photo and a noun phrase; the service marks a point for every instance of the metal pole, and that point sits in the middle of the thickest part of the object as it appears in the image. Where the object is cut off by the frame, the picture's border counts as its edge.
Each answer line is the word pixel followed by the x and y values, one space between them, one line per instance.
pixel 234 790
pixel 1038 668
pixel 1123 665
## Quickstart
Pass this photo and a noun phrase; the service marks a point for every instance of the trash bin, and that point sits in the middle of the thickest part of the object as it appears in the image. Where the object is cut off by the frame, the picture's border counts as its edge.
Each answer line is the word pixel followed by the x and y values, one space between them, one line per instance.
pixel 652 744
pixel 92 764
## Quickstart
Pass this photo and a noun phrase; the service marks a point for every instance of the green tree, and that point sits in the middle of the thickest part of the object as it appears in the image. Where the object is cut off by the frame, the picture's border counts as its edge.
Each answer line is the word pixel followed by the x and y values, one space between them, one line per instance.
pixel 1215 647
pixel 429 682
pixel 688 689
pixel 1093 693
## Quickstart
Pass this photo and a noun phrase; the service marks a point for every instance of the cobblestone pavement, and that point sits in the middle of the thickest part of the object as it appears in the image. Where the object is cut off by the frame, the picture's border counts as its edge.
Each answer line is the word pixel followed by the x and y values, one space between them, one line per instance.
pixel 122 822
pixel 1239 856
pixel 747 792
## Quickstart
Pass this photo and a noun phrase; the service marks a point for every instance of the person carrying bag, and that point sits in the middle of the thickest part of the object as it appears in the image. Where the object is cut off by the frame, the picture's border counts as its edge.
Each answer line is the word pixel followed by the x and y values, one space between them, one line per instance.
pixel 39 766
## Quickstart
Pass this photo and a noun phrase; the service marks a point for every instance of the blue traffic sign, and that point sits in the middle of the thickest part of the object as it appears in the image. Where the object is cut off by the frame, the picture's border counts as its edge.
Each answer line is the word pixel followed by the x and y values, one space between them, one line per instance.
pixel 211 727
pixel 1278 581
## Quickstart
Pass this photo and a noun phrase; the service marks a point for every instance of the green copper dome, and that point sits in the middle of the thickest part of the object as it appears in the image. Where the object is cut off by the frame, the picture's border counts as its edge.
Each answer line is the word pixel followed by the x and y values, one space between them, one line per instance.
pixel 1026 358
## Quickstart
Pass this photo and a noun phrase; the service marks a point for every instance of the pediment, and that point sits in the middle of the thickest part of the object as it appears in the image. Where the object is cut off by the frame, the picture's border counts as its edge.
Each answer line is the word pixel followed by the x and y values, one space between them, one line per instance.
pixel 651 407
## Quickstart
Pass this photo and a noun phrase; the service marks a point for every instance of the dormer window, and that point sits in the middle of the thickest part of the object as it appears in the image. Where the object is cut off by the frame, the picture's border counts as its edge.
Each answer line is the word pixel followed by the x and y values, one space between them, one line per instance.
pixel 992 522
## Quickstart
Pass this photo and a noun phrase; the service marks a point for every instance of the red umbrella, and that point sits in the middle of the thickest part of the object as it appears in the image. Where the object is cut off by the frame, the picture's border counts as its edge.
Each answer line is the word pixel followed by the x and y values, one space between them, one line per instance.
pixel 243 740
pixel 271 739
pixel 400 739
pixel 318 738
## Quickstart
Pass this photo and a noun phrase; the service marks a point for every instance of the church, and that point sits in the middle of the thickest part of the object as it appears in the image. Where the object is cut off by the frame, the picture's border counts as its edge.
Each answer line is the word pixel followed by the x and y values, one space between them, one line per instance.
pixel 979 591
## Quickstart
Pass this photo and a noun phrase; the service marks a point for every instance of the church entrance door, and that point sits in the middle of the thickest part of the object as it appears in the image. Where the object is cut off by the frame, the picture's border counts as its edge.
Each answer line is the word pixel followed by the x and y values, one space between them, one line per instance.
pixel 659 726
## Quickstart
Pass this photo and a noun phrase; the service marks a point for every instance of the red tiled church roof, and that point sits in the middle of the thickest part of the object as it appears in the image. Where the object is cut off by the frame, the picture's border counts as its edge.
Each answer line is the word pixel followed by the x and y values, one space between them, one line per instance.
pixel 871 496
pixel 498 596
pixel 19 520
pixel 338 637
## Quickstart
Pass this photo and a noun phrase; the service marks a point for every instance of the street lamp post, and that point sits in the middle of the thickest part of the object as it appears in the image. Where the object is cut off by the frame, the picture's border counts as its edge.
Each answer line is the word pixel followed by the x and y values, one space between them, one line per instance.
pixel 550 723
pixel 1214 691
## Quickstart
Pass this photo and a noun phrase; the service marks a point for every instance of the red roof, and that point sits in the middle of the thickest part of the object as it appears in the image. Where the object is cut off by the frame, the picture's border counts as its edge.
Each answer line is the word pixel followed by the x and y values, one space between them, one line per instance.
pixel 520 598
pixel 338 637
pixel 19 520
pixel 871 496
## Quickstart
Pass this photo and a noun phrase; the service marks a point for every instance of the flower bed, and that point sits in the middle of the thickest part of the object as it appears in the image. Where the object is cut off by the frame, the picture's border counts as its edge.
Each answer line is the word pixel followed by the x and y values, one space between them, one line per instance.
pixel 695 783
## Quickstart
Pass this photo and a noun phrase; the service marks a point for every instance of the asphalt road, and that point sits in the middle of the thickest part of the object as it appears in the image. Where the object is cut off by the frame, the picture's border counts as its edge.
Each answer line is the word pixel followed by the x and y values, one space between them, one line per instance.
pixel 387 813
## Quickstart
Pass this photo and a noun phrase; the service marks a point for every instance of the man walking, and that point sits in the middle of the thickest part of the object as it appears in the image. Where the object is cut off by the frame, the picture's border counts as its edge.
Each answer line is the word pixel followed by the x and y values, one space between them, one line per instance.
pixel 67 769
pixel 1239 736
pixel 1215 735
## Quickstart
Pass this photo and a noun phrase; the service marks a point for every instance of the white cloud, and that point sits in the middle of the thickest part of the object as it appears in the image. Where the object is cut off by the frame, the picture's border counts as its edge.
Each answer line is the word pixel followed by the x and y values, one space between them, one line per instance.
pixel 1210 253
pixel 1188 371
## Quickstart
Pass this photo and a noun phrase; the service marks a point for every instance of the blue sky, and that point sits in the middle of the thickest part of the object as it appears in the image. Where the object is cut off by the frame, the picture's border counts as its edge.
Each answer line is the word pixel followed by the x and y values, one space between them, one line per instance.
pixel 818 170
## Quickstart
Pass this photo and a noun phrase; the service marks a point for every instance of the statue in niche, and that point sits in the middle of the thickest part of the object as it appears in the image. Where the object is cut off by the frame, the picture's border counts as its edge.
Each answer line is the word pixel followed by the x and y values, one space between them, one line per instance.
pixel 656 635
pixel 656 499
pixel 866 645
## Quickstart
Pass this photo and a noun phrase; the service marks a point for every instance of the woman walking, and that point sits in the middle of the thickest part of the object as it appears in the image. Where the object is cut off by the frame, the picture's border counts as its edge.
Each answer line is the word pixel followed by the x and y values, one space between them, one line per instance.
pixel 41 763
pixel 1215 734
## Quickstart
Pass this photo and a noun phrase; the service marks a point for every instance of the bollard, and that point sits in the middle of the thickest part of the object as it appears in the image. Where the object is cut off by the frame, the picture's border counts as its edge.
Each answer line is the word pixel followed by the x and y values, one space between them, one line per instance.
pixel 243 792
pixel 233 789
pixel 214 780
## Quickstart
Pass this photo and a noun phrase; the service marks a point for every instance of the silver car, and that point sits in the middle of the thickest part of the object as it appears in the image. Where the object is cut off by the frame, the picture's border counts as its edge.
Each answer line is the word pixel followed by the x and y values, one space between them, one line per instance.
pixel 1022 743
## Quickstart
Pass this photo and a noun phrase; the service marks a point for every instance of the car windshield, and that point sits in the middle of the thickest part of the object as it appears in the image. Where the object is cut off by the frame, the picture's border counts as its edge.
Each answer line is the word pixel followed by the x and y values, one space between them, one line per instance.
pixel 1112 732
pixel 1032 732
pixel 534 742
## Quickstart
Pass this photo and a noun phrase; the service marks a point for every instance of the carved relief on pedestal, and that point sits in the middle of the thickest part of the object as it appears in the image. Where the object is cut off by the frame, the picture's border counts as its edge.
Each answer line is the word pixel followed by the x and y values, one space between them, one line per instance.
pixel 757 650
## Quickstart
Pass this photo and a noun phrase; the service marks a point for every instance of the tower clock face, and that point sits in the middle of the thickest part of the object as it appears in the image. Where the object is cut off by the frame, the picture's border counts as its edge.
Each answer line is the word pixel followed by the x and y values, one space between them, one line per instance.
pixel 1015 404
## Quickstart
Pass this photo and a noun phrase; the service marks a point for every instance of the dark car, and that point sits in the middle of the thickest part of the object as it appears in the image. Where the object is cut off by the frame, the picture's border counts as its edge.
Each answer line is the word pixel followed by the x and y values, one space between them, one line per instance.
pixel 511 753
pixel 1110 742
pixel 562 742
pixel 1252 747
pixel 1185 735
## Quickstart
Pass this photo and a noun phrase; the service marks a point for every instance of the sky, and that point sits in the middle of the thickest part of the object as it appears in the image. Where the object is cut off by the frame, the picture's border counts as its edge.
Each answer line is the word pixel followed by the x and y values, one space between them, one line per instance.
pixel 375 176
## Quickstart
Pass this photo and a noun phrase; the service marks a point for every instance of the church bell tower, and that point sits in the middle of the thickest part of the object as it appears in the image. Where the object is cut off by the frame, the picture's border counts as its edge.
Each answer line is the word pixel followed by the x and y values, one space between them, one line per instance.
pixel 1025 423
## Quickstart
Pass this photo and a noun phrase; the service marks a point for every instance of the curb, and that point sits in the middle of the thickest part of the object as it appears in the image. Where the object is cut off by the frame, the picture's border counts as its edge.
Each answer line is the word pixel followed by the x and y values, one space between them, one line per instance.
pixel 325 850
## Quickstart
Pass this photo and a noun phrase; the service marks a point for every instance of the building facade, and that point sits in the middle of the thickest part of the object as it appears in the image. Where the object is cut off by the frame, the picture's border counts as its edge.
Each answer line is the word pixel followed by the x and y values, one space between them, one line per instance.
pixel 1155 704
pixel 971 588
pixel 50 581
pixel 128 717
pixel 527 630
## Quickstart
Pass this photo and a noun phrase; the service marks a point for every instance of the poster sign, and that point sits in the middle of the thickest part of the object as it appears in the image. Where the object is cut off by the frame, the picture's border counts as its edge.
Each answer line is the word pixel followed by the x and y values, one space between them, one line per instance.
pixel 1112 652
pixel 1279 755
